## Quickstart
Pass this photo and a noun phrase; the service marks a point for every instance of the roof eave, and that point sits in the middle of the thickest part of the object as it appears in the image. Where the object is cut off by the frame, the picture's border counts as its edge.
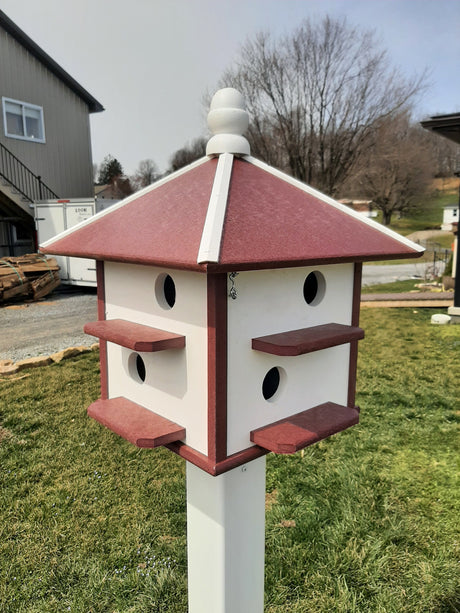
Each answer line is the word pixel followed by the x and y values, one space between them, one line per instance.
pixel 214 259
pixel 446 125
pixel 21 37
pixel 225 267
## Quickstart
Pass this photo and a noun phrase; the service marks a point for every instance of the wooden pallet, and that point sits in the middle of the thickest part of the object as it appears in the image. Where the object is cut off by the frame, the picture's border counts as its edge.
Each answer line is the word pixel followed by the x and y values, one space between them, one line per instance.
pixel 30 276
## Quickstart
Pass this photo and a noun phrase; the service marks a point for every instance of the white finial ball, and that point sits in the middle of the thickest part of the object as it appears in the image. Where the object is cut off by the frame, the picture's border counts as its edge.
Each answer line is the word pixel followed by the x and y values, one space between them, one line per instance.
pixel 228 120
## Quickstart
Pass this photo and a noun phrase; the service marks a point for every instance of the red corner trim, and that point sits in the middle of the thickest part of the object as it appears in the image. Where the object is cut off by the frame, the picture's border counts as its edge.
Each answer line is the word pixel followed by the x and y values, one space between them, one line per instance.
pixel 100 276
pixel 217 367
pixel 354 344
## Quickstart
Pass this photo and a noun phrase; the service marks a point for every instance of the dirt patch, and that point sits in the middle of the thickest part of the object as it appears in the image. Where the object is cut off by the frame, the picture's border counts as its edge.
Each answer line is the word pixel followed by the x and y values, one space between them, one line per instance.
pixel 5 434
pixel 423 235
pixel 446 185
pixel 270 499
pixel 287 523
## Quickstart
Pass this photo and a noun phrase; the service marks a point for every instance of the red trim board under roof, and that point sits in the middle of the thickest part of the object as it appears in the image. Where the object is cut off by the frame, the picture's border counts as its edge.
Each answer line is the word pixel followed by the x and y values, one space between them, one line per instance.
pixel 271 221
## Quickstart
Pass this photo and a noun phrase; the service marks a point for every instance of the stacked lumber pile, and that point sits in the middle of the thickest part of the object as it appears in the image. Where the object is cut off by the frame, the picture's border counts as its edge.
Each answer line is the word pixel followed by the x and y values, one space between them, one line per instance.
pixel 30 276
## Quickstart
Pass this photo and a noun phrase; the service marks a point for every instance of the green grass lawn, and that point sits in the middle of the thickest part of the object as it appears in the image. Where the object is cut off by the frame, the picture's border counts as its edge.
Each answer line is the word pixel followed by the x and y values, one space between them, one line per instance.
pixel 398 287
pixel 394 287
pixel 427 217
pixel 366 521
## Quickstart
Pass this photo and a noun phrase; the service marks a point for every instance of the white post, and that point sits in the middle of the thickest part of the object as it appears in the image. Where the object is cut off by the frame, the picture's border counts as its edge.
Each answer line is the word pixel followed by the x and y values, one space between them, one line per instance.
pixel 226 539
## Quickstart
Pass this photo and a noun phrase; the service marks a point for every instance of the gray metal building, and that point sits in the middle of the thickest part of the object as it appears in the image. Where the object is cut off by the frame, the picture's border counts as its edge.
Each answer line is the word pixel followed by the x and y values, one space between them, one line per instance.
pixel 45 141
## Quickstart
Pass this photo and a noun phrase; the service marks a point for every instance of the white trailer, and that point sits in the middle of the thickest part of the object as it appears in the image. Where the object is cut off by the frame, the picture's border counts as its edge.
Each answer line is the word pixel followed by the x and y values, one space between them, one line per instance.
pixel 55 216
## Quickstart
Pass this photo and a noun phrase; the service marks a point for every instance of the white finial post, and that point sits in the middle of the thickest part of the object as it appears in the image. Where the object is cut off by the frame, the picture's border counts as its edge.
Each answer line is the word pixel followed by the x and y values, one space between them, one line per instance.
pixel 228 120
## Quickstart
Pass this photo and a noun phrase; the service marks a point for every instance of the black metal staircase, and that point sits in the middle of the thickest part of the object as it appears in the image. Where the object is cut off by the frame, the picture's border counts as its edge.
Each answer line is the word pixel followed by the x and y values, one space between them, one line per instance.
pixel 19 187
pixel 21 179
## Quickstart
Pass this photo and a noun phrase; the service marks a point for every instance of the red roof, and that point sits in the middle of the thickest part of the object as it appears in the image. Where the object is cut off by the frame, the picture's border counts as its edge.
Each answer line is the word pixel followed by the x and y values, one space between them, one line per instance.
pixel 269 220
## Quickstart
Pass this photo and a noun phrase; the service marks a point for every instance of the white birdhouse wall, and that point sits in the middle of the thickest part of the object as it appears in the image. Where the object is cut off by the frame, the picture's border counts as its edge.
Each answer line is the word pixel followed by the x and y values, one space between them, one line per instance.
pixel 261 388
pixel 275 301
pixel 175 381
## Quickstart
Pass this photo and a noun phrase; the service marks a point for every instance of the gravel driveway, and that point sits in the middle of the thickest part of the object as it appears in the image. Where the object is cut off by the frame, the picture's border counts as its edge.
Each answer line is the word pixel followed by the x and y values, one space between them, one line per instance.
pixel 374 274
pixel 43 328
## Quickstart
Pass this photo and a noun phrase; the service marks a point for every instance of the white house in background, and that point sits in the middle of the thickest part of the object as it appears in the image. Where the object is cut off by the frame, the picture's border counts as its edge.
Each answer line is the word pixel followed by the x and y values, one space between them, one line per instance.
pixel 450 216
pixel 45 143
pixel 363 207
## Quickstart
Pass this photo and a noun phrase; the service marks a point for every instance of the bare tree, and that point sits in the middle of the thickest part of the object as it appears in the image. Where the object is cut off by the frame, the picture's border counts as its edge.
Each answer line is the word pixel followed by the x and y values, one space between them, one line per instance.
pixel 446 155
pixel 121 187
pixel 398 167
pixel 146 173
pixel 316 95
pixel 188 154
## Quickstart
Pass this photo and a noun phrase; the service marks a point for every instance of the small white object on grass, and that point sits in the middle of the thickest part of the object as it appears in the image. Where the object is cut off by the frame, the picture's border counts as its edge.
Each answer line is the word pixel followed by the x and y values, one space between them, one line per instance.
pixel 440 319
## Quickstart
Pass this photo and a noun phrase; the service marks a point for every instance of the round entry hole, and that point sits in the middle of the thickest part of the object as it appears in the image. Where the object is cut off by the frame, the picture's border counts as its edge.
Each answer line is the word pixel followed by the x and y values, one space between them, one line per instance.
pixel 140 368
pixel 314 288
pixel 271 383
pixel 165 290
pixel 169 291
pixel 136 368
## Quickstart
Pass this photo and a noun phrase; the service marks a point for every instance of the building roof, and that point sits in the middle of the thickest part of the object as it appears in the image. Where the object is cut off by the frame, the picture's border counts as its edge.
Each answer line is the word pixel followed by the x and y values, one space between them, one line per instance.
pixel 21 37
pixel 446 125
pixel 229 214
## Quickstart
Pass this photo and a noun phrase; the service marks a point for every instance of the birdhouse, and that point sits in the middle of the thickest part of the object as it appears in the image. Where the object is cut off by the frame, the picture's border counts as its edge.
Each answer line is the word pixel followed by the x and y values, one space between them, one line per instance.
pixel 228 305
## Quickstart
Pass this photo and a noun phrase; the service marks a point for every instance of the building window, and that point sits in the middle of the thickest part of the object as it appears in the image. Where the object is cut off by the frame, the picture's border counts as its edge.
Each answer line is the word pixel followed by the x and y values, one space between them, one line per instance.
pixel 21 235
pixel 22 120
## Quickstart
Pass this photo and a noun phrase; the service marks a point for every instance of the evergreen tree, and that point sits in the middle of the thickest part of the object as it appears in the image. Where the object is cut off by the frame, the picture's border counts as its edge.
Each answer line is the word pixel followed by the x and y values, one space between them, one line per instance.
pixel 109 170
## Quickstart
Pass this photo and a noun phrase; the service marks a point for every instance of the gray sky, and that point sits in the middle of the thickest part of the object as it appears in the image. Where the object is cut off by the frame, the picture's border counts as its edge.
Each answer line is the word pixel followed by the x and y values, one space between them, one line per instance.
pixel 149 61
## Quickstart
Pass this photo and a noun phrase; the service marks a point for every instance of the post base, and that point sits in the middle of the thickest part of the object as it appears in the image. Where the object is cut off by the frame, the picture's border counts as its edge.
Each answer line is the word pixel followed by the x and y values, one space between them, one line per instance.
pixel 226 539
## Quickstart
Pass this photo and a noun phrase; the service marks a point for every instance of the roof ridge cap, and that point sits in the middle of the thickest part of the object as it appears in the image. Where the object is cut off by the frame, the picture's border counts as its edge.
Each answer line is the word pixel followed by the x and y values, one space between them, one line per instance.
pixel 211 237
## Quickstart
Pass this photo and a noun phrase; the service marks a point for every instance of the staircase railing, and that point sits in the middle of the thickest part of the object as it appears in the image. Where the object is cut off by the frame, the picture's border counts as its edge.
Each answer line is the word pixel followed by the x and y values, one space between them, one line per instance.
pixel 21 179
